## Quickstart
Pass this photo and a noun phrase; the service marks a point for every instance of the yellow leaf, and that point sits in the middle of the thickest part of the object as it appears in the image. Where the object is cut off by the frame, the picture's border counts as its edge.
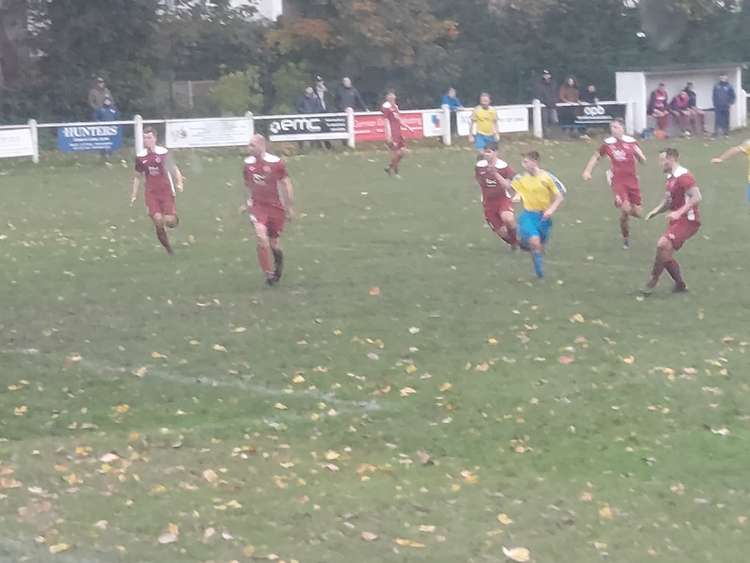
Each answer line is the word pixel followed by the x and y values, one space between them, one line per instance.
pixel 411 368
pixel 629 360
pixel 492 340
pixel 59 548
pixel 605 513
pixel 518 554
pixel 469 477
pixel 121 409
pixel 158 356
pixel 504 519
pixel 298 379
pixel 21 410
pixel 409 543
pixel 332 455
pixel 446 387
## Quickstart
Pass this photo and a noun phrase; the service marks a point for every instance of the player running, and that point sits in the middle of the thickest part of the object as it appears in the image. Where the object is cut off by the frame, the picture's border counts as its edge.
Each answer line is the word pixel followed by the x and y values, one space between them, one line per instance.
pixel 393 137
pixel 162 177
pixel 744 148
pixel 270 202
pixel 498 206
pixel 681 199
pixel 541 194
pixel 483 123
pixel 623 152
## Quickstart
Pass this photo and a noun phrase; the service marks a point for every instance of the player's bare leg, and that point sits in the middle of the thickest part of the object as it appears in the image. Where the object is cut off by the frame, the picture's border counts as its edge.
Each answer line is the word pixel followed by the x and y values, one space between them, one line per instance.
pixel 161 232
pixel 278 258
pixel 624 222
pixel 509 225
pixel 265 256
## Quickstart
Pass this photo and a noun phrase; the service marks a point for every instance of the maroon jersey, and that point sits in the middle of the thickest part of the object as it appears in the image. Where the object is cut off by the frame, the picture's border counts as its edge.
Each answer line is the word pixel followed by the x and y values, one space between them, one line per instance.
pixel 621 153
pixel 659 100
pixel 678 183
pixel 681 101
pixel 391 113
pixel 155 166
pixel 262 178
pixel 491 188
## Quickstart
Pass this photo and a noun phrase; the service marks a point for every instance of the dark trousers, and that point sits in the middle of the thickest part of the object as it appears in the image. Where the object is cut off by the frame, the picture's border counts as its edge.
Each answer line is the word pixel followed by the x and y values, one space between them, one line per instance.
pixel 721 120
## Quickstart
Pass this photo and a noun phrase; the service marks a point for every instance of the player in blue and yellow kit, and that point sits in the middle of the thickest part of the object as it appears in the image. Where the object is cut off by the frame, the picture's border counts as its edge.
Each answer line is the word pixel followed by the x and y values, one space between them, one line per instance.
pixel 541 194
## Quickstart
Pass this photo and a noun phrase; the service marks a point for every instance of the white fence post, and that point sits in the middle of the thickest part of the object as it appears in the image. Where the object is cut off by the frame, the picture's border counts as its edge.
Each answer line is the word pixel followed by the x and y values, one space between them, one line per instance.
pixel 630 117
pixel 138 133
pixel 447 125
pixel 34 141
pixel 251 118
pixel 537 118
pixel 352 142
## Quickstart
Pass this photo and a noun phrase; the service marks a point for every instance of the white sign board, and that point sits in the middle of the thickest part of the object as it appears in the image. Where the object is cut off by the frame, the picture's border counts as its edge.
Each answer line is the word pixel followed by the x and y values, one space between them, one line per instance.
pixel 196 133
pixel 432 123
pixel 509 120
pixel 16 142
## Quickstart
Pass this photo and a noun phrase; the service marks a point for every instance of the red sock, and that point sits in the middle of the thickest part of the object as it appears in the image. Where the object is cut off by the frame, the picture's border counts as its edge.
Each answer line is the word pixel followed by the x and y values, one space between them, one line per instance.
pixel 265 258
pixel 656 271
pixel 161 234
pixel 663 122
pixel 395 161
pixel 510 237
pixel 674 270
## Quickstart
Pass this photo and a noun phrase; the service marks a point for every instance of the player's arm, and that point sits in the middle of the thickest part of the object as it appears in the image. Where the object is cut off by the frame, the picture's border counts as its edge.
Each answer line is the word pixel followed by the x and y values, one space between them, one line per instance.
pixel 557 202
pixel 639 155
pixel 174 170
pixel 590 165
pixel 286 192
pixel 388 133
pixel 692 198
pixel 473 129
pixel 136 186
pixel 734 151
pixel 659 209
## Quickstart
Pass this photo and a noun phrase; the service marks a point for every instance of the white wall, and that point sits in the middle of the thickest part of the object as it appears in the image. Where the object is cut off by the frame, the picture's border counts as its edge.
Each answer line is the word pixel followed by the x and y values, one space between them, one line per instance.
pixel 631 87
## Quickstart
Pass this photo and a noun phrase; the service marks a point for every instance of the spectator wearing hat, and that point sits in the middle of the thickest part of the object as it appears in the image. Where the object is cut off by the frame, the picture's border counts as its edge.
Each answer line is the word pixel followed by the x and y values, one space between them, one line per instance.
pixel 98 92
pixel 545 90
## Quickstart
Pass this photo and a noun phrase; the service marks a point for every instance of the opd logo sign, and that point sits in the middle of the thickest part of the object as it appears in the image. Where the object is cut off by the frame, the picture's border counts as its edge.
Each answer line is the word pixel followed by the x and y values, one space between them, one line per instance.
pixel 295 126
pixel 594 111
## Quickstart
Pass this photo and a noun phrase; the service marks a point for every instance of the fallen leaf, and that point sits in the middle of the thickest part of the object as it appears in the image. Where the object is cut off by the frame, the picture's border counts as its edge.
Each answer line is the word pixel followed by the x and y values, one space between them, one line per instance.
pixel 158 356
pixel 218 348
pixel 248 551
pixel 723 431
pixel 101 525
pixel 210 476
pixel 424 458
pixel 140 372
pixel 414 330
pixel 408 543
pixel 170 535
pixel 406 391
pixel 605 513
pixel 577 318
pixel 565 360
pixel 504 519
pixel 239 330
pixel 280 406
pixel 9 483
pixel 374 291
pixel 368 536
pixel 629 360
pixel 484 366
pixel 518 554
pixel 109 457
pixel 446 387
pixel 121 409
pixel 427 529
pixel 331 455
pixel 59 548
pixel 411 368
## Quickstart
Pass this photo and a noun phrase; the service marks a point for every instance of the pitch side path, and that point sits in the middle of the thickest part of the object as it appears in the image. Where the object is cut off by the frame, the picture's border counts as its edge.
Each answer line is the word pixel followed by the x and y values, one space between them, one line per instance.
pixel 408 392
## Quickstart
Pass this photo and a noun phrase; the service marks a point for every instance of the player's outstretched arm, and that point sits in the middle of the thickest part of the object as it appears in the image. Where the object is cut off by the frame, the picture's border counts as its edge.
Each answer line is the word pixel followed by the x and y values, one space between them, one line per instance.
pixel 734 151
pixel 179 179
pixel 661 208
pixel 590 166
pixel 134 192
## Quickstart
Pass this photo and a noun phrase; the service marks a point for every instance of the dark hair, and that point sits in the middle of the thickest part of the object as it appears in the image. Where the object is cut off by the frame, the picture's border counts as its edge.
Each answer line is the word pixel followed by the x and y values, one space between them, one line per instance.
pixel 670 152
pixel 619 120
pixel 151 130
pixel 532 155
pixel 491 146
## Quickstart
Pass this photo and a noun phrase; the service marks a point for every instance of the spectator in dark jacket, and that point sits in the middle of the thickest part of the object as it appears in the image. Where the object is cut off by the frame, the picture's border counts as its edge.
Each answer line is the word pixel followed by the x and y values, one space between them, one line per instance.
pixel 309 102
pixel 590 95
pixel 347 96
pixel 107 112
pixel 451 100
pixel 546 92
pixel 724 98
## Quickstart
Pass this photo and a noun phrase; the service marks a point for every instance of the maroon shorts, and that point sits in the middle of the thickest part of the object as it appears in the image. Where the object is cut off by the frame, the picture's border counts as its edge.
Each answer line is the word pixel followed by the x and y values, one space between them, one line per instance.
pixel 272 217
pixel 678 232
pixel 161 202
pixel 493 208
pixel 626 190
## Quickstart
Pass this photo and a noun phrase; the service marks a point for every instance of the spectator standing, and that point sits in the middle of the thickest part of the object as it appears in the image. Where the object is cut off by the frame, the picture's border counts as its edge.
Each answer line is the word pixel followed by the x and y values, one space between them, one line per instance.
pixel 98 92
pixel 590 95
pixel 321 92
pixel 697 115
pixel 454 104
pixel 569 94
pixel 308 103
pixel 347 96
pixel 107 112
pixel 546 92
pixel 658 106
pixel 724 98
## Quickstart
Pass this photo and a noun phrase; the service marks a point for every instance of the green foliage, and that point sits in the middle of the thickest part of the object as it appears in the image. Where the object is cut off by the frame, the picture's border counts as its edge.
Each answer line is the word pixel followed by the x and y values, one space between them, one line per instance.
pixel 288 82
pixel 238 92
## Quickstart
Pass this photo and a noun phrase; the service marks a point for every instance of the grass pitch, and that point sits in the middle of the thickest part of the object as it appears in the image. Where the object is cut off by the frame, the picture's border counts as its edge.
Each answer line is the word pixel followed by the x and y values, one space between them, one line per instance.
pixel 408 393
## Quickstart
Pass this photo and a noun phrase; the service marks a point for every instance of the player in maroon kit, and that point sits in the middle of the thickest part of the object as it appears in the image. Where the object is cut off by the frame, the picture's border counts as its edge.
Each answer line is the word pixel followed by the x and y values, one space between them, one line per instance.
pixel 623 152
pixel 162 178
pixel 681 199
pixel 270 203
pixel 394 138
pixel 658 106
pixel 498 206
